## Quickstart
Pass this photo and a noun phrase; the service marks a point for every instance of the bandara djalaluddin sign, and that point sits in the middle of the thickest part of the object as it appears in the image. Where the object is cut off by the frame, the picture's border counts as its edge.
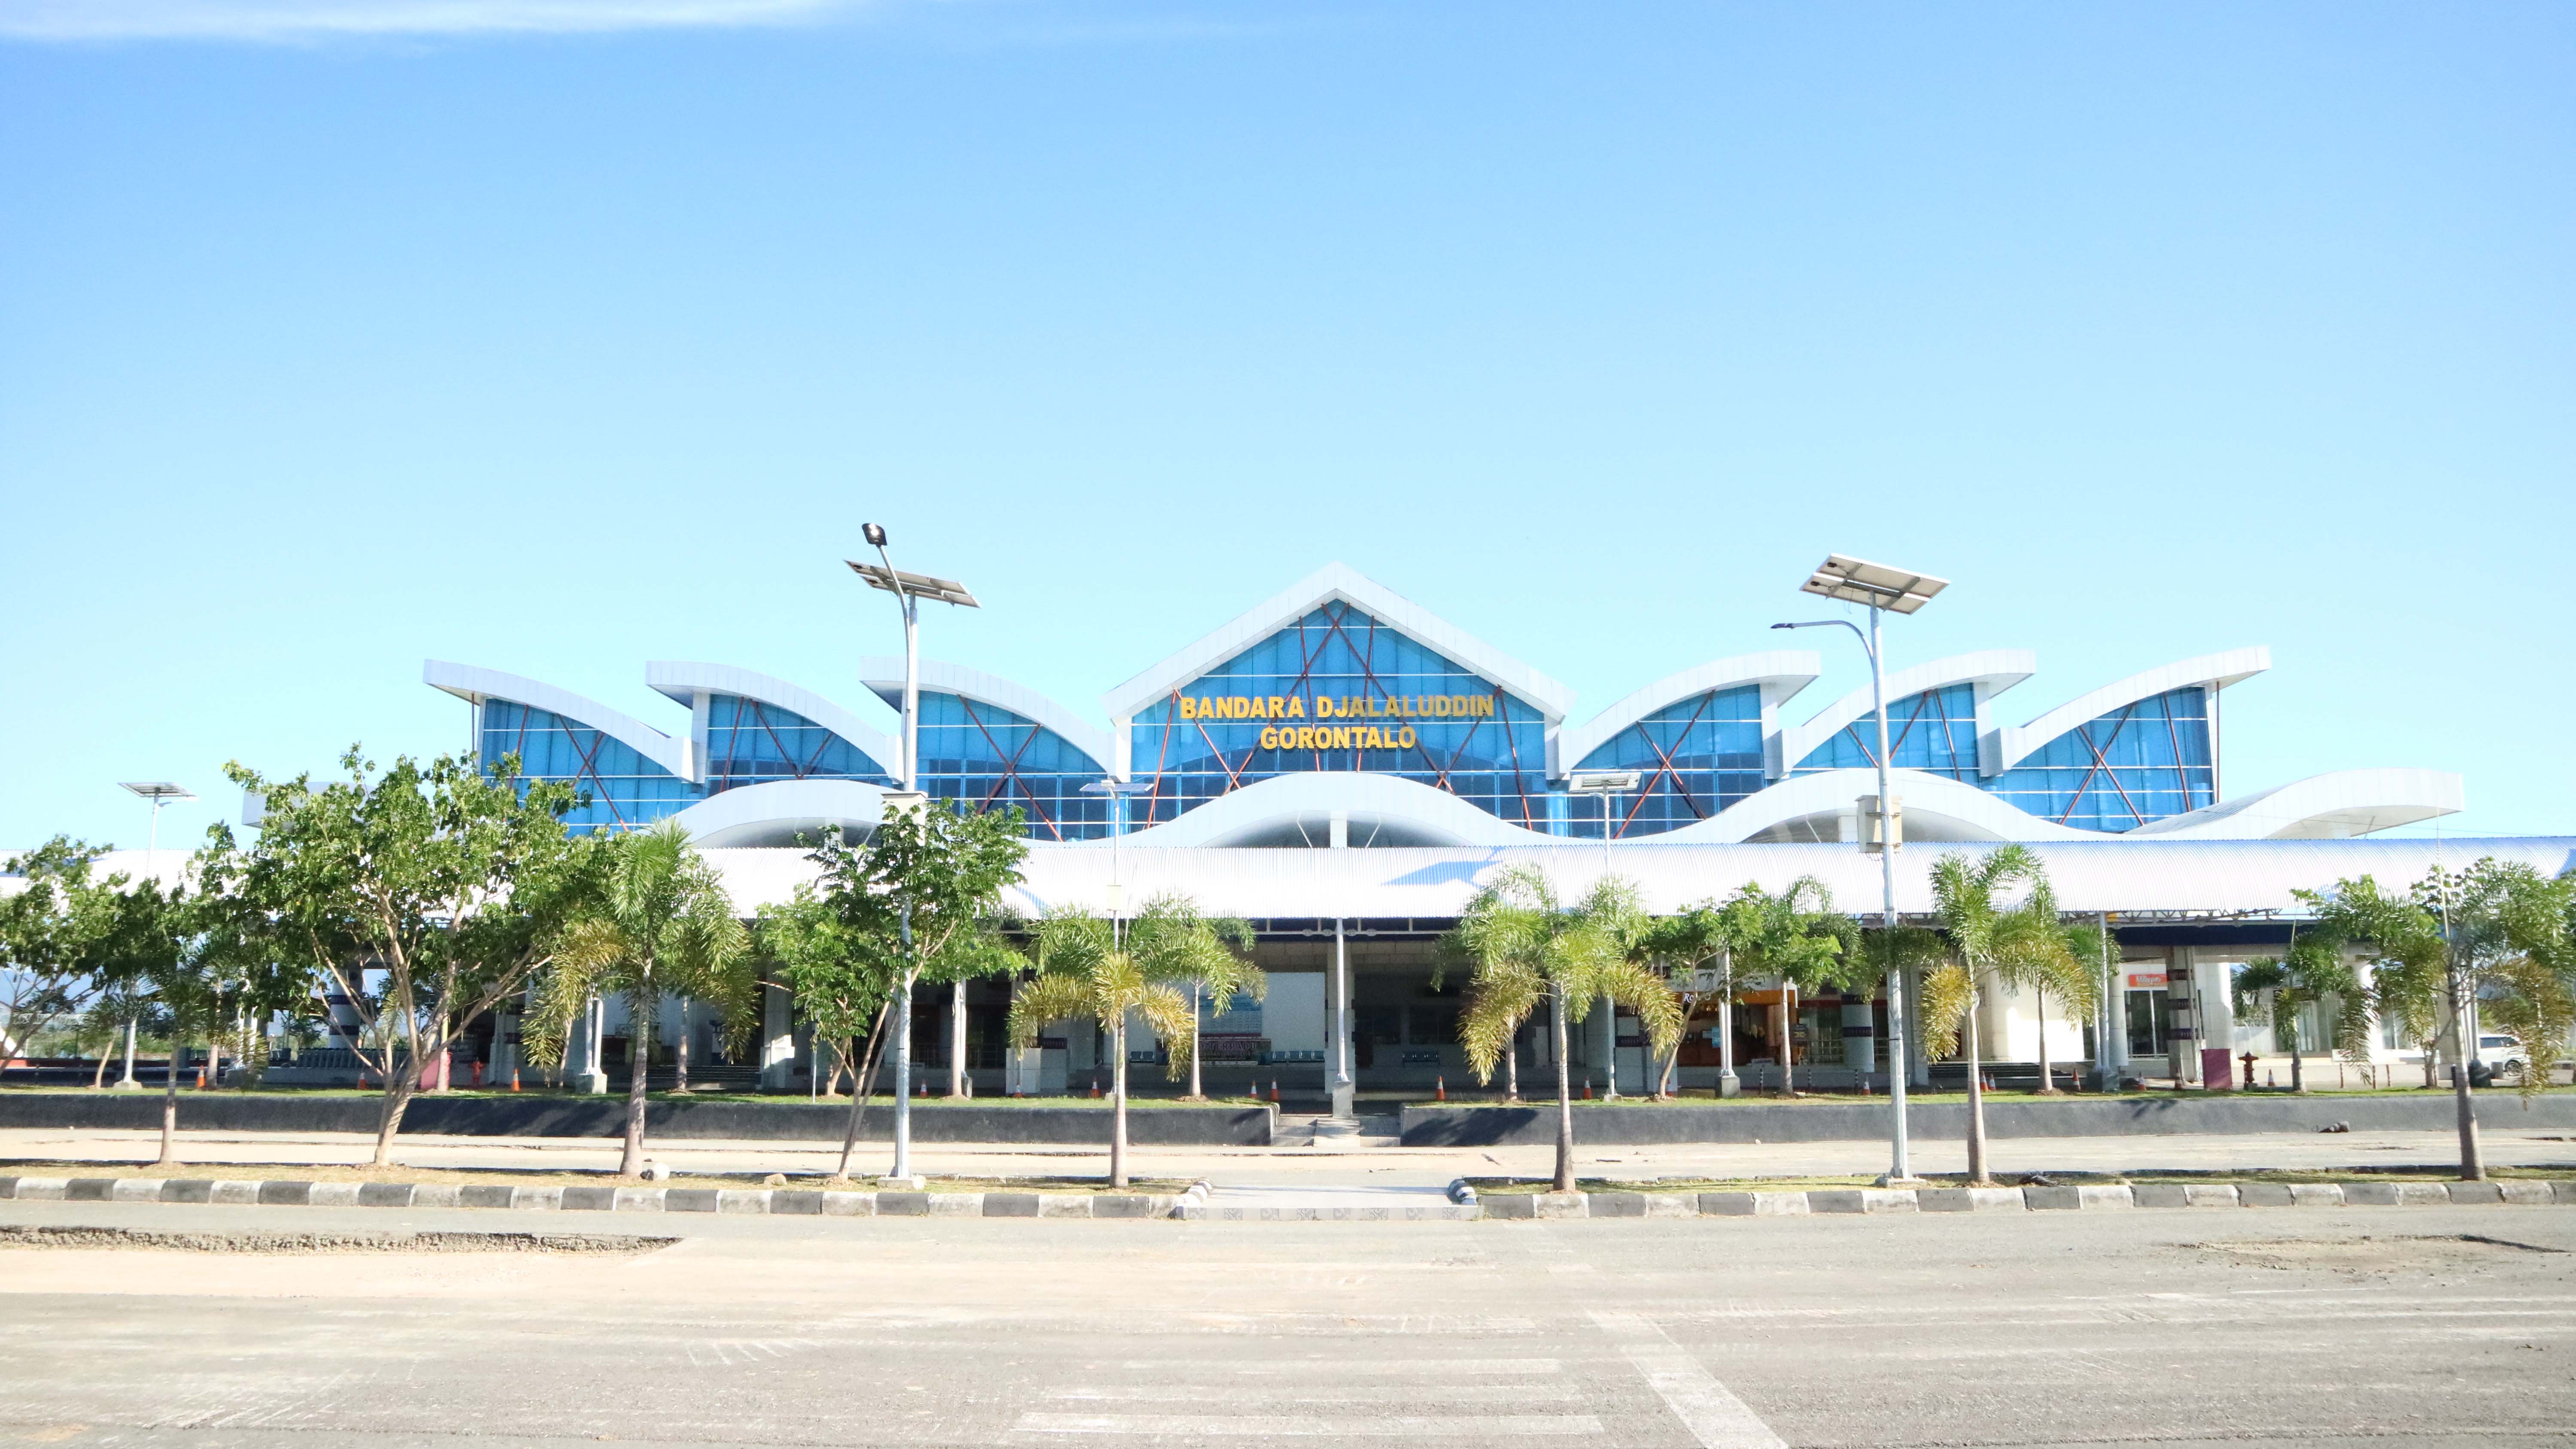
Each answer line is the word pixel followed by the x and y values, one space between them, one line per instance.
pixel 1327 706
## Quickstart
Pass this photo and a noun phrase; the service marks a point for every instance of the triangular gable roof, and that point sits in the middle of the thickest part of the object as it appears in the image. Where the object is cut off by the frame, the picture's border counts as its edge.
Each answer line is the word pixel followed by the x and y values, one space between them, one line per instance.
pixel 1340 581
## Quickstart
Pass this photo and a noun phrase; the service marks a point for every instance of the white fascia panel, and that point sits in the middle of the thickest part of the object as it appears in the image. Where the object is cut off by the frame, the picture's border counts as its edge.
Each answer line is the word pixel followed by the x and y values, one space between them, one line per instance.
pixel 2016 743
pixel 776 812
pixel 1340 581
pixel 1963 810
pixel 1361 798
pixel 691 683
pixel 884 675
pixel 1991 671
pixel 1780 672
pixel 2337 805
pixel 475 684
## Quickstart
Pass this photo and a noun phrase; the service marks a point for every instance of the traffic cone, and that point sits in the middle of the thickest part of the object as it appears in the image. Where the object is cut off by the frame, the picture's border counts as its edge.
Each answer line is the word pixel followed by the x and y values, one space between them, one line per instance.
pixel 1440 1087
pixel 514 1079
pixel 201 1079
pixel 1274 1091
pixel 1587 1089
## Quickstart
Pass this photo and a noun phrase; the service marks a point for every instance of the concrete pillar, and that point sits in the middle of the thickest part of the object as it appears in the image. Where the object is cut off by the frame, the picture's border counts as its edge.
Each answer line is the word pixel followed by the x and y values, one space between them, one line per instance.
pixel 2182 1034
pixel 1860 1036
pixel 593 1077
pixel 777 1038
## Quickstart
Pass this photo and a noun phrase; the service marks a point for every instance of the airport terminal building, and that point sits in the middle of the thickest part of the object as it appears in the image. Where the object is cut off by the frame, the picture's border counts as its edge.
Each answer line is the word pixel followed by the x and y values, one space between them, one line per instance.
pixel 1342 767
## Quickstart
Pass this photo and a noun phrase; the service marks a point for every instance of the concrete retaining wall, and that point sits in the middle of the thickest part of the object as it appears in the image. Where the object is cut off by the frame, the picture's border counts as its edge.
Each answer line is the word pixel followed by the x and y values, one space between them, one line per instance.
pixel 1612 1124
pixel 552 1116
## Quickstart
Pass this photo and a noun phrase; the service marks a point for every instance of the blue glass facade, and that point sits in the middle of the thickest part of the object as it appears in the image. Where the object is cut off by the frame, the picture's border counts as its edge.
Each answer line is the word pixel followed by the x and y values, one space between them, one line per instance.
pixel 1339 691
pixel 624 788
pixel 1935 731
pixel 1696 756
pixel 993 759
pixel 2147 761
pixel 752 743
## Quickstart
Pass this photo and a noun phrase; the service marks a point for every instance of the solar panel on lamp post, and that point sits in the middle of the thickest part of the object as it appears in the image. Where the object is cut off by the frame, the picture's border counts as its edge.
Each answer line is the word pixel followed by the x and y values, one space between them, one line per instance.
pixel 1882 590
pixel 908 589
pixel 160 793
pixel 1605 783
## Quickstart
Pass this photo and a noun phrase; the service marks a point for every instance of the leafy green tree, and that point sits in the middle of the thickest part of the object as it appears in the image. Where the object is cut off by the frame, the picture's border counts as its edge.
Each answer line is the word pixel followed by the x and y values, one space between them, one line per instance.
pixel 660 925
pixel 2496 928
pixel 50 930
pixel 1897 955
pixel 426 894
pixel 1686 948
pixel 1090 969
pixel 1794 935
pixel 1994 938
pixel 1525 945
pixel 2312 972
pixel 840 987
pixel 922 900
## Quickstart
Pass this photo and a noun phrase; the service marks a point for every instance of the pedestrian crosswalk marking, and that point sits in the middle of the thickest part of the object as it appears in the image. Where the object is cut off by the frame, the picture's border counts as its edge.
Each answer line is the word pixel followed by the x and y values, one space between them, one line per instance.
pixel 1325 1393
pixel 1710 1410
pixel 1316 1426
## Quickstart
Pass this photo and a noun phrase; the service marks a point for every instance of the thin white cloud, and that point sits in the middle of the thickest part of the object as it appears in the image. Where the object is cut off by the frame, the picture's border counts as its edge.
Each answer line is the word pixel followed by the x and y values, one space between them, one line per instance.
pixel 293 20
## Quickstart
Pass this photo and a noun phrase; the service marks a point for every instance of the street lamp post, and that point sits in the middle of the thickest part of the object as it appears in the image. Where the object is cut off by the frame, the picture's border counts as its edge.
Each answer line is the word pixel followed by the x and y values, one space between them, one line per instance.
pixel 908 590
pixel 1880 589
pixel 1119 793
pixel 160 793
pixel 1605 783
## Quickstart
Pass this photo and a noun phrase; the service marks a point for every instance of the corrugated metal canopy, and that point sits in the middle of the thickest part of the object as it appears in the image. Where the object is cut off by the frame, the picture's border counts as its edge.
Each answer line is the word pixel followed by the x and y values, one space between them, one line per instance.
pixel 2187 879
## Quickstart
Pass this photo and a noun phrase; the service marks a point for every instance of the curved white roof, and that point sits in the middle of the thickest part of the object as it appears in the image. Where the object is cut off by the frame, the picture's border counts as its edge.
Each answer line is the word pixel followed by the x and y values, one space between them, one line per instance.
pixel 2187 878
pixel 1780 672
pixel 475 685
pixel 1934 806
pixel 779 812
pixel 884 675
pixel 2333 806
pixel 1992 671
pixel 2015 743
pixel 1339 581
pixel 1300 807
pixel 685 682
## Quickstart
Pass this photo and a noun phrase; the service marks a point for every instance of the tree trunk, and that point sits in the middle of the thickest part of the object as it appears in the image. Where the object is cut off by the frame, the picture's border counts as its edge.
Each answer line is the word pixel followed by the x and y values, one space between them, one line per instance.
pixel 2298 1077
pixel 170 1106
pixel 1198 1091
pixel 389 1115
pixel 1564 1096
pixel 98 1079
pixel 957 1040
pixel 2473 1167
pixel 214 1060
pixel 680 1051
pixel 1512 1065
pixel 859 1098
pixel 2039 1002
pixel 1788 1040
pixel 1976 1102
pixel 639 1052
pixel 1118 1102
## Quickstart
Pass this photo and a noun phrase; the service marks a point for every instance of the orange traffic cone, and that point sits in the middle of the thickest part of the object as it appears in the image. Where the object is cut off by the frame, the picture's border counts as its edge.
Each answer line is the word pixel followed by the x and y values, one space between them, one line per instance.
pixel 1440 1086
pixel 1587 1089
pixel 201 1079
pixel 514 1079
pixel 1274 1091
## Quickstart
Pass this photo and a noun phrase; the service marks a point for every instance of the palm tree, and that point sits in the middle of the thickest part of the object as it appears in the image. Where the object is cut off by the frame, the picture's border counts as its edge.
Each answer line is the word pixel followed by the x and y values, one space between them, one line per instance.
pixel 1092 969
pixel 1896 955
pixel 1991 939
pixel 661 925
pixel 2310 972
pixel 1211 953
pixel 1525 945
pixel 1795 936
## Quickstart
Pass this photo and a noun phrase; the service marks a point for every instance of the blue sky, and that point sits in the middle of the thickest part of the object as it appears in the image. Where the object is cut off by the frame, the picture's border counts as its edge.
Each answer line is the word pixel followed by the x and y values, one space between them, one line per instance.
pixel 559 335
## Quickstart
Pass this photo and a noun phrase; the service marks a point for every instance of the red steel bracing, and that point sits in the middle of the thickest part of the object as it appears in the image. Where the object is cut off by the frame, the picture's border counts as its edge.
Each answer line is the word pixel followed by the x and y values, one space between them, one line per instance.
pixel 590 766
pixel 1667 769
pixel 2102 765
pixel 1010 767
pixel 2182 772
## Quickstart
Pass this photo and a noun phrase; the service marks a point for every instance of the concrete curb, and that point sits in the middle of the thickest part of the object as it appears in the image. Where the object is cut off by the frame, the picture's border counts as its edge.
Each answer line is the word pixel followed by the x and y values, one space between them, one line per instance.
pixel 1464 1205
pixel 603 1197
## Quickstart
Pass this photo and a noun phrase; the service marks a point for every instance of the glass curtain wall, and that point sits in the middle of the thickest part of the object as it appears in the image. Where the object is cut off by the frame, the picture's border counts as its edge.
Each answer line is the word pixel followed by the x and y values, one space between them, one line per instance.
pixel 994 759
pixel 1696 756
pixel 624 789
pixel 2148 761
pixel 1935 731
pixel 750 742
pixel 1337 690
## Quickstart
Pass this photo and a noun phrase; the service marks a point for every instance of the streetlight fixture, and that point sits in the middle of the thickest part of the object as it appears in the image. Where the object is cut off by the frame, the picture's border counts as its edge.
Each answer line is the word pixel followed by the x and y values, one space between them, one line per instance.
pixel 1606 783
pixel 1119 793
pixel 160 793
pixel 908 589
pixel 1882 590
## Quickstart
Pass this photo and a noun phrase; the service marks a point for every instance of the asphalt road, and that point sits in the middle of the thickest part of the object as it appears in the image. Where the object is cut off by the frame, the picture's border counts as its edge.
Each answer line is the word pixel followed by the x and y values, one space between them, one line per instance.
pixel 2143 1327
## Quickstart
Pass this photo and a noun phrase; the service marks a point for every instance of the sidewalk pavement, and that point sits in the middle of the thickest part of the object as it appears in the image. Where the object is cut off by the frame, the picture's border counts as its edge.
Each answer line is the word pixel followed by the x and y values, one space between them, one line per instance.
pixel 1350 1166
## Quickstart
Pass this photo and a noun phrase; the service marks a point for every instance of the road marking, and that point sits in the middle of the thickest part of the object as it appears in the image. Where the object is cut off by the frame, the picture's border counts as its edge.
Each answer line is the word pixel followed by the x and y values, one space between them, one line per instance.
pixel 1363 1394
pixel 1314 1426
pixel 1711 1411
pixel 1384 1368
